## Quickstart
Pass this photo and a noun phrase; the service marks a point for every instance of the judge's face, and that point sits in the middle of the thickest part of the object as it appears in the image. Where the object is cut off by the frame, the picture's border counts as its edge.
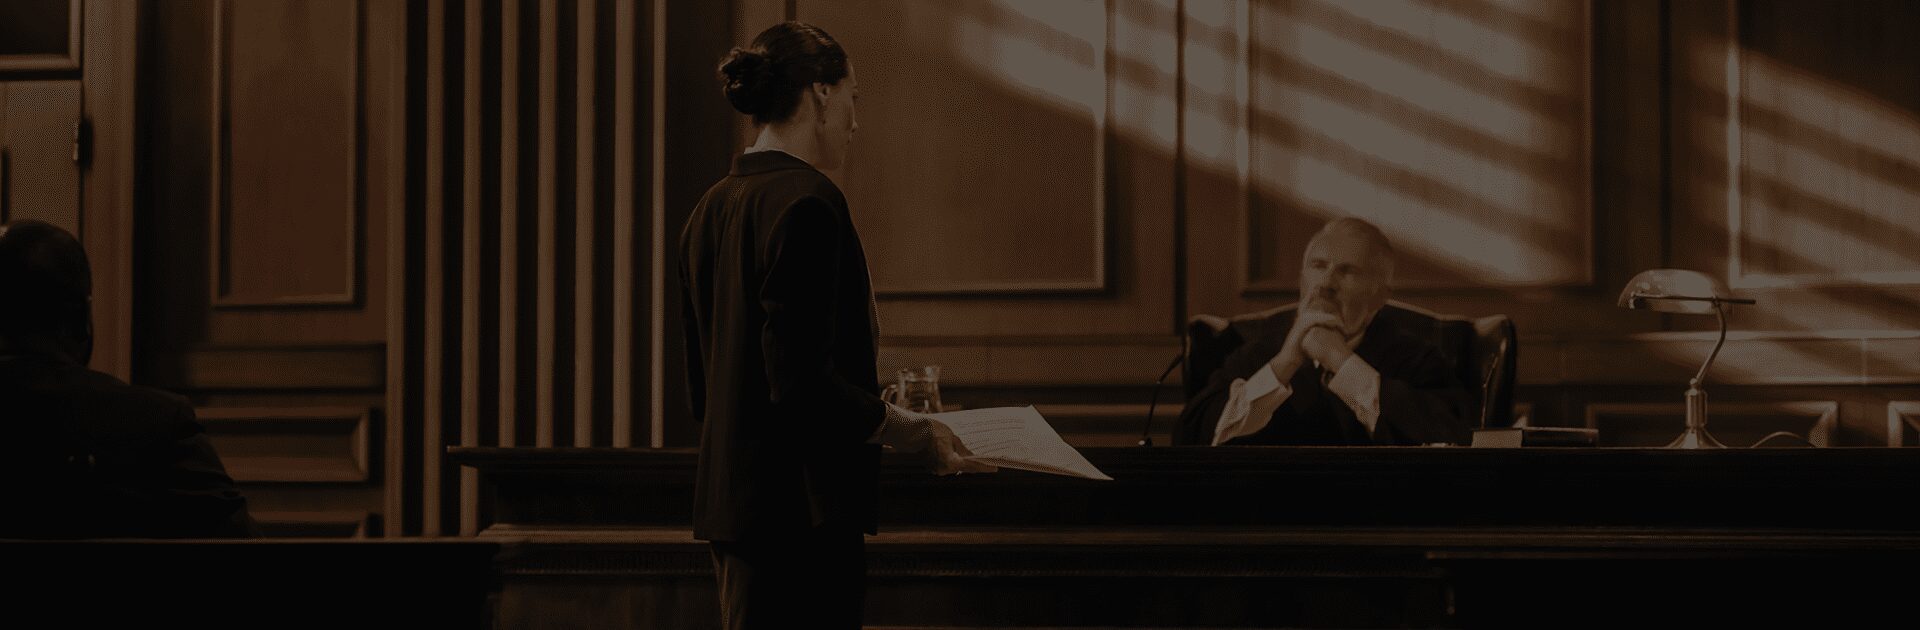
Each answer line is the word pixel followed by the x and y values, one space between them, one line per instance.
pixel 837 120
pixel 1343 274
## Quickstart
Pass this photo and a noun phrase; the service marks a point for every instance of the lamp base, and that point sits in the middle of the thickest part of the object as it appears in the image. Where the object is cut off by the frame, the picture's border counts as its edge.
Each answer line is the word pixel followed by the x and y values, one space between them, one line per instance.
pixel 1695 438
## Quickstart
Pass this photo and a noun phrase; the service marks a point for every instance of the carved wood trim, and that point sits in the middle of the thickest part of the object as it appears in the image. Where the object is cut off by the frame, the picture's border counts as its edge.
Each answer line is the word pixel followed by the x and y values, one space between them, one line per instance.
pixel 285 368
pixel 289 424
pixel 52 62
pixel 1902 416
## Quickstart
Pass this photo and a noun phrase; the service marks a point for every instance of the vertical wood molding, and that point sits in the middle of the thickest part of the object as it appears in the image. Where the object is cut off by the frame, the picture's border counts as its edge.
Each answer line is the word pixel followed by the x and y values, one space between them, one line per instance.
pixel 544 251
pixel 221 259
pixel 625 171
pixel 586 69
pixel 394 29
pixel 471 276
pixel 512 33
pixel 657 222
pixel 6 167
pixel 515 181
pixel 110 104
pixel 433 370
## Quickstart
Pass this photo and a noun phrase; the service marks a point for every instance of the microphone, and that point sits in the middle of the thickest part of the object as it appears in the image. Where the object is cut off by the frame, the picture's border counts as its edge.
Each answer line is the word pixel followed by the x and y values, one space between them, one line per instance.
pixel 1146 431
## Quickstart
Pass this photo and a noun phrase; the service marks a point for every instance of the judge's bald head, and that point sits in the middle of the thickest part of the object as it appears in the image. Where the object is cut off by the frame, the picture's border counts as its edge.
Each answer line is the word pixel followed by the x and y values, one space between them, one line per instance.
pixel 46 286
pixel 1347 270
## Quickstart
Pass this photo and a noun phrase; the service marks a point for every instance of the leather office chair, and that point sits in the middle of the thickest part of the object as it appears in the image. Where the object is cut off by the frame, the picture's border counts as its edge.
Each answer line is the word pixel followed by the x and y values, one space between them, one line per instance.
pixel 1485 350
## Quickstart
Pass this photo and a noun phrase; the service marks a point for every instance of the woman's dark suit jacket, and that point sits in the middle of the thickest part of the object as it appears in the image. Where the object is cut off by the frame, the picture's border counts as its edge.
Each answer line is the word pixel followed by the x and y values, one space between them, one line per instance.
pixel 781 352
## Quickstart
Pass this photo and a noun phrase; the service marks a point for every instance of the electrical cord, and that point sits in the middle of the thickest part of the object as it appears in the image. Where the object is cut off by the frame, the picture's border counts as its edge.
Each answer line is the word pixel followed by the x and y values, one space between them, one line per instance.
pixel 1776 434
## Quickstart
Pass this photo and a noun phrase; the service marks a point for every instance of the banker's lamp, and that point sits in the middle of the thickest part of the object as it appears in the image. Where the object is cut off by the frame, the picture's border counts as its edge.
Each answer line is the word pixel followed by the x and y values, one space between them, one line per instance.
pixel 1689 293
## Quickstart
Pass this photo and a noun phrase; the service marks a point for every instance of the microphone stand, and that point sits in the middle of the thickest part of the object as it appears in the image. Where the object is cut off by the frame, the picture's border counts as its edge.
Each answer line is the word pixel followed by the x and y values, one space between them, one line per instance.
pixel 1486 384
pixel 1146 431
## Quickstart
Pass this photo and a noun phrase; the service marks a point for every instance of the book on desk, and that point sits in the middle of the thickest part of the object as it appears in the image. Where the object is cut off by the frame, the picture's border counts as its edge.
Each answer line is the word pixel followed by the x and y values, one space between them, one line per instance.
pixel 1516 437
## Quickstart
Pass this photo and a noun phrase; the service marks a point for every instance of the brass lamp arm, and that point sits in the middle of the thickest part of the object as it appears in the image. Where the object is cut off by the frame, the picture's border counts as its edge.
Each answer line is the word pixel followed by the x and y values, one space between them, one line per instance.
pixel 1720 310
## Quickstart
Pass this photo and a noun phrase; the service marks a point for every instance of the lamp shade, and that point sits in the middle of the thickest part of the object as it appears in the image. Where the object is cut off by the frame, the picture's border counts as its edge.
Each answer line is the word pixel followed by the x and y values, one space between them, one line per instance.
pixel 1675 291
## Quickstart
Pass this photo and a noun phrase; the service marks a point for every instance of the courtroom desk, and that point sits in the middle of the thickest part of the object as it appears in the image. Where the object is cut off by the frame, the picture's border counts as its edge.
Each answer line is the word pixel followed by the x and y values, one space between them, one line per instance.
pixel 280 583
pixel 1258 537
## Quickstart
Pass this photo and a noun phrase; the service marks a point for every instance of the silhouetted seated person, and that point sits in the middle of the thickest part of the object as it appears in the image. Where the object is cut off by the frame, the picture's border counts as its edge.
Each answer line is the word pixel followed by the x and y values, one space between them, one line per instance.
pixel 86 455
pixel 1343 368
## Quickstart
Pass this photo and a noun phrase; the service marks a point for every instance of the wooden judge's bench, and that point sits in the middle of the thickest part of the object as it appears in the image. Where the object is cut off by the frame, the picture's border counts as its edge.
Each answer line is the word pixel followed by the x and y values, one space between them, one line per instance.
pixel 1257 537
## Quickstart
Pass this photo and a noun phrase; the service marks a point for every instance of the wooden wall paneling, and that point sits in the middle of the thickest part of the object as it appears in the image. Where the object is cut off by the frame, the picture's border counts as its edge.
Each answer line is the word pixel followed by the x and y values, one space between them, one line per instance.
pixel 473 280
pixel 1734 424
pixel 285 224
pixel 521 226
pixel 664 283
pixel 1065 361
pixel 1216 142
pixel 1827 136
pixel 40 37
pixel 38 176
pixel 1288 125
pixel 1455 161
pixel 1746 359
pixel 585 223
pixel 1903 423
pixel 1893 359
pixel 111 70
pixel 433 368
pixel 997 226
pixel 1861 419
pixel 394 24
pixel 292 444
pixel 1783 145
pixel 625 171
pixel 1256 68
pixel 175 278
pixel 1061 118
pixel 337 367
pixel 513 32
pixel 1631 155
pixel 218 71
pixel 546 306
pixel 6 162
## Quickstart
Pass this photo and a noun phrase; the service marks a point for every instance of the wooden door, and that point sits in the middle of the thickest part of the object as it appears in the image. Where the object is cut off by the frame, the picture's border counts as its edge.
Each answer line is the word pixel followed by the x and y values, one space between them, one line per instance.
pixel 276 158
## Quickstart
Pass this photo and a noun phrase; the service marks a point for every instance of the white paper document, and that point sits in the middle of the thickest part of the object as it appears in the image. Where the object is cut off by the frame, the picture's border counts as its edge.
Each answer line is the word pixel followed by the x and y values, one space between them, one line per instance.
pixel 1017 437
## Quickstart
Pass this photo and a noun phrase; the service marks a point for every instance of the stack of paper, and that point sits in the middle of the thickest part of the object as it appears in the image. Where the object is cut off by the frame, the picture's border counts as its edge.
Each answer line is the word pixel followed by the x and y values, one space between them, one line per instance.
pixel 1017 437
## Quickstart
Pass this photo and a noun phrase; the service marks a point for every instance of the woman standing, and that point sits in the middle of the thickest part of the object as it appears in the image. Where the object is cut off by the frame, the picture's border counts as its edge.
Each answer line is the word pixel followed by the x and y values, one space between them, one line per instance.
pixel 782 346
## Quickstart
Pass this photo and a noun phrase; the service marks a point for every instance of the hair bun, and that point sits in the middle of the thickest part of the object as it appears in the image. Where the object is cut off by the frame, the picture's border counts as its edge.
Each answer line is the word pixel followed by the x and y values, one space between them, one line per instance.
pixel 749 80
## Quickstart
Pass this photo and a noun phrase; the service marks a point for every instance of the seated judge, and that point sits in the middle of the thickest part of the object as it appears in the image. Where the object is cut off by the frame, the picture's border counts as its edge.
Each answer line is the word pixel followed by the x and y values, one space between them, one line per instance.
pixel 86 455
pixel 1343 368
